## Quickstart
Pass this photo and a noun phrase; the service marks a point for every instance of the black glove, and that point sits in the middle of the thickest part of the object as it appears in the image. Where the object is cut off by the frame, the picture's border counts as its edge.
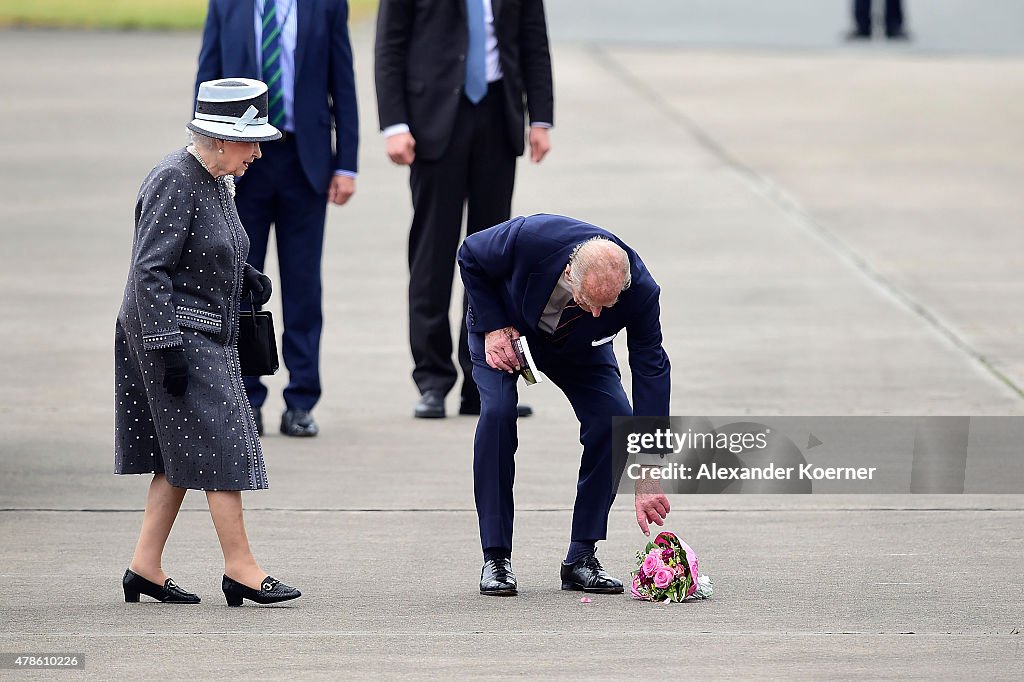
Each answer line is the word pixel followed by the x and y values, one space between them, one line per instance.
pixel 175 371
pixel 258 284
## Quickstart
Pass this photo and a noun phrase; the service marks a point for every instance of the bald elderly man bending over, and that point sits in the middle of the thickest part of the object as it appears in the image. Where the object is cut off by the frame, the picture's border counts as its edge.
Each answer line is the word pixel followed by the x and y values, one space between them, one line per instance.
pixel 569 288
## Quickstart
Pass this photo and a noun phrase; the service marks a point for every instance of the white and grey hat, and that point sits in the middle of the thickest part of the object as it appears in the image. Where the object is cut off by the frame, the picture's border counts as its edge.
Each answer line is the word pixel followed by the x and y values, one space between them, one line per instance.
pixel 234 109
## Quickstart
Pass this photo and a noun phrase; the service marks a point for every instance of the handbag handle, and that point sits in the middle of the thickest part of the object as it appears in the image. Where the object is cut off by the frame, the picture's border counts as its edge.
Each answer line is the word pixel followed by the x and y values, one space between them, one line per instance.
pixel 253 306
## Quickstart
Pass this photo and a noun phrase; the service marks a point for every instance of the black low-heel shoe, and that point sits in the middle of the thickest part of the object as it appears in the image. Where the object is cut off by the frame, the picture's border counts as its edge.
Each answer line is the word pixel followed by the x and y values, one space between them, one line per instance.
pixel 271 591
pixel 169 593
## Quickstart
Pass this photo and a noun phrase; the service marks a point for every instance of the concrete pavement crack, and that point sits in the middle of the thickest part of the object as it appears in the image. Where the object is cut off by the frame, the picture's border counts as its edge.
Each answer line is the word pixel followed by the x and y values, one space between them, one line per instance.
pixel 789 205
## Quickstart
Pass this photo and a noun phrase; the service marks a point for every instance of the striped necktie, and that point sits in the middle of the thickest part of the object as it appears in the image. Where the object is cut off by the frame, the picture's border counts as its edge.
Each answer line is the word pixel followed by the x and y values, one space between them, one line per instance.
pixel 271 53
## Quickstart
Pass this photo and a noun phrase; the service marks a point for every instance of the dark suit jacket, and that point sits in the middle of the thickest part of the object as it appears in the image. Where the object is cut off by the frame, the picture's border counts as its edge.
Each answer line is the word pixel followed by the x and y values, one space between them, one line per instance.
pixel 420 67
pixel 510 271
pixel 325 89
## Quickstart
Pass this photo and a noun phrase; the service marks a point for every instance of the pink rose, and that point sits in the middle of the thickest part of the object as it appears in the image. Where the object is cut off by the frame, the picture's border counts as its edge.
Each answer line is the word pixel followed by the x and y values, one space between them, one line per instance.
pixel 635 589
pixel 652 562
pixel 663 577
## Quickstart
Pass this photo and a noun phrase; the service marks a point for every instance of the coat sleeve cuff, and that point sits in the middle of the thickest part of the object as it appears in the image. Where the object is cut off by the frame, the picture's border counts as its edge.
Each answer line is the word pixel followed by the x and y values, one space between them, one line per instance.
pixel 162 340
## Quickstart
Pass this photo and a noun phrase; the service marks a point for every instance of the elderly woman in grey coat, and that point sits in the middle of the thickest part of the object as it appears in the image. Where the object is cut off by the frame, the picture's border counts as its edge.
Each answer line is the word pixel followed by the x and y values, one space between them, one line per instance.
pixel 181 409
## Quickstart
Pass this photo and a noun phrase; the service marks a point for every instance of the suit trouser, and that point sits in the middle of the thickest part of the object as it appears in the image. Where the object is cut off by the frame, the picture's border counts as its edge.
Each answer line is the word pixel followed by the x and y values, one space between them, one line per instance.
pixel 275 191
pixel 893 15
pixel 478 170
pixel 592 383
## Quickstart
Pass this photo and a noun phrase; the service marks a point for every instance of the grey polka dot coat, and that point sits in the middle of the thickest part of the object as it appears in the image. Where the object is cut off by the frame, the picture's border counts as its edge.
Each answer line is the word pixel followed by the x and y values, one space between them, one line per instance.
pixel 184 288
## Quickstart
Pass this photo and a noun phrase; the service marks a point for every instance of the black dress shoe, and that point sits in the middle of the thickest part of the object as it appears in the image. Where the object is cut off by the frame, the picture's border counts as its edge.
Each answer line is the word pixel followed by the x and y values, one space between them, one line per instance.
pixel 472 408
pixel 858 35
pixel 169 593
pixel 271 591
pixel 588 575
pixel 299 423
pixel 497 578
pixel 430 406
pixel 257 415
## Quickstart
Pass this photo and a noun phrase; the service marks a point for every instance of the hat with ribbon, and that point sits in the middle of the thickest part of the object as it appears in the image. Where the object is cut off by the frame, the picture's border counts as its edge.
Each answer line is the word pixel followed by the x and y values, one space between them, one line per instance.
pixel 234 109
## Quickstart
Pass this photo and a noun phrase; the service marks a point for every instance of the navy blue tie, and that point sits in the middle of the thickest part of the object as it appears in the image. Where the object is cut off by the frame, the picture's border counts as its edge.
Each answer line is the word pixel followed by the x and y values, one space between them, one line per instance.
pixel 271 53
pixel 476 60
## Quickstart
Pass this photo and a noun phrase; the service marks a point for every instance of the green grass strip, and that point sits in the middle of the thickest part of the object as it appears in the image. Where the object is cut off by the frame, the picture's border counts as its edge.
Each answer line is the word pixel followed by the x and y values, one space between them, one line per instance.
pixel 126 14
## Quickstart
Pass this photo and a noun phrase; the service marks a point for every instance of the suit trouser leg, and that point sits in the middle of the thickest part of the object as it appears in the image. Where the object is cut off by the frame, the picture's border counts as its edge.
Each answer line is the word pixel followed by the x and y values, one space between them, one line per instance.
pixel 492 176
pixel 862 15
pixel 593 386
pixel 256 200
pixel 299 228
pixel 893 16
pixel 438 197
pixel 494 449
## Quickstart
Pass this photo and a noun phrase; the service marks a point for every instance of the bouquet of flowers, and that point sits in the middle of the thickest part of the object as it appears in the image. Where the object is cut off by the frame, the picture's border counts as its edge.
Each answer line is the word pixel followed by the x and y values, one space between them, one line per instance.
pixel 666 571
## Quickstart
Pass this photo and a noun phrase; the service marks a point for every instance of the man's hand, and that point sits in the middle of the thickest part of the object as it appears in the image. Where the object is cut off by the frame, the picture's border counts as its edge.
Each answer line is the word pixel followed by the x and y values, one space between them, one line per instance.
pixel 401 148
pixel 498 349
pixel 540 144
pixel 651 504
pixel 341 190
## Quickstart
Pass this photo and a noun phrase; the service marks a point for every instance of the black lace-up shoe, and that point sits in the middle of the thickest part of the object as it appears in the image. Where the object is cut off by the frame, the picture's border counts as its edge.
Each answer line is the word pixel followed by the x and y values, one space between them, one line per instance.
pixel 299 423
pixel 588 575
pixel 497 579
pixel 430 406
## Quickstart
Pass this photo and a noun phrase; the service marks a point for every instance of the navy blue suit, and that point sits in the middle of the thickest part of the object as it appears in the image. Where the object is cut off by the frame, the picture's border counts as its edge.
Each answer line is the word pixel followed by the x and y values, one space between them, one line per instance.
pixel 288 186
pixel 510 271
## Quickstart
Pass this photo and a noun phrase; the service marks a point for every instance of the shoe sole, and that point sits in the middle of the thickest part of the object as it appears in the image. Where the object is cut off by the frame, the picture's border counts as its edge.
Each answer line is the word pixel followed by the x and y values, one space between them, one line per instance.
pixel 499 593
pixel 429 415
pixel 573 587
pixel 235 600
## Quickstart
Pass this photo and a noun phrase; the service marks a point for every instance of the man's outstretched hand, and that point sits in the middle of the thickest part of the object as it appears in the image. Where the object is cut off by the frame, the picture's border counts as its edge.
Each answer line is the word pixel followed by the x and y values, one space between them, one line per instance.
pixel 651 504
pixel 498 349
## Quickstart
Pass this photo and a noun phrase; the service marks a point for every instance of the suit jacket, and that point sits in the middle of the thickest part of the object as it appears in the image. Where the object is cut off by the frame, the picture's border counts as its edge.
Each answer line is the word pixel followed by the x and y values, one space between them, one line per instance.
pixel 420 67
pixel 510 270
pixel 325 90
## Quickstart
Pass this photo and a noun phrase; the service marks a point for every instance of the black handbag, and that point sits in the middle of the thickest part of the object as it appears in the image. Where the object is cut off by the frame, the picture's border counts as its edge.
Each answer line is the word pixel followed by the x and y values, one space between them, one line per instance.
pixel 257 343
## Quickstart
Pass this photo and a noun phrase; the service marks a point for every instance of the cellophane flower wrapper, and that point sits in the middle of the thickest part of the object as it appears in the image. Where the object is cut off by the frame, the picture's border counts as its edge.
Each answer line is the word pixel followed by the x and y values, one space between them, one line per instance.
pixel 666 571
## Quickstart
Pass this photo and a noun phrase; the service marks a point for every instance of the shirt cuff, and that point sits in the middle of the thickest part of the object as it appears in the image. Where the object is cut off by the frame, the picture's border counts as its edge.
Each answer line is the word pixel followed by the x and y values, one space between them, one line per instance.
pixel 346 173
pixel 540 124
pixel 396 129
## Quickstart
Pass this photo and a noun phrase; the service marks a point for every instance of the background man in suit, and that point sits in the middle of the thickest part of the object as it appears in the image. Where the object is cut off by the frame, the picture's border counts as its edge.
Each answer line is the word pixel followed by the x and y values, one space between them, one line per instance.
pixel 569 288
pixel 301 49
pixel 451 77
